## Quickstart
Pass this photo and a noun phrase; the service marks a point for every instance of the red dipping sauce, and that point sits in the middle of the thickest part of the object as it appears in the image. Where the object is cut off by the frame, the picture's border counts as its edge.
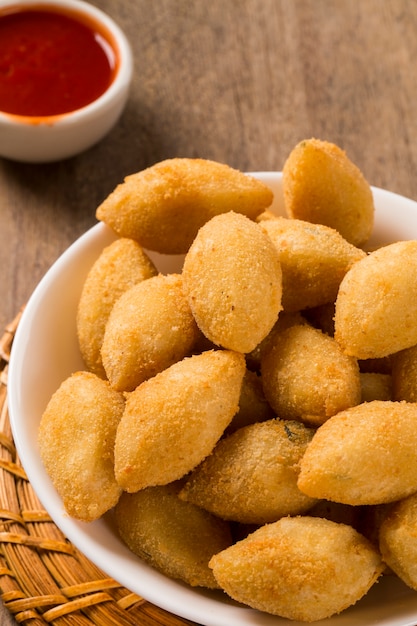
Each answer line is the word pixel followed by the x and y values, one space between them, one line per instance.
pixel 52 61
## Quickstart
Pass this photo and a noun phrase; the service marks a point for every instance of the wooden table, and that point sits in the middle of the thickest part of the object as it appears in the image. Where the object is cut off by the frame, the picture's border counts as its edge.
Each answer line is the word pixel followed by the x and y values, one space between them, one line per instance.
pixel 238 81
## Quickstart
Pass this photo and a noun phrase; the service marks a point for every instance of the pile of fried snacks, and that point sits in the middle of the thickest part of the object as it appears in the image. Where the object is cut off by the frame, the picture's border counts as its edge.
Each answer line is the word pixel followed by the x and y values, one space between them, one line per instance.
pixel 250 419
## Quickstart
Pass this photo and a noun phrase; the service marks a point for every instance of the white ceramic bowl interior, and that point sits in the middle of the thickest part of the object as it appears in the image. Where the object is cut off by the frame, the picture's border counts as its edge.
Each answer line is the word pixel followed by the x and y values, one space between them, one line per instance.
pixel 45 352
pixel 52 138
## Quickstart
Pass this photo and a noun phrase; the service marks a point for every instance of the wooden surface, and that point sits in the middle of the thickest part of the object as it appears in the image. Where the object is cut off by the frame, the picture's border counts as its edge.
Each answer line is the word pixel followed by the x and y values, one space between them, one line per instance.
pixel 238 81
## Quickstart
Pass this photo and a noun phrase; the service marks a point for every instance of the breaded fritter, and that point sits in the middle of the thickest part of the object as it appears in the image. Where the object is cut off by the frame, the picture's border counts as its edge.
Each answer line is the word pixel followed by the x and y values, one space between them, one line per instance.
pixel 175 537
pixel 150 327
pixel 314 259
pixel 322 185
pixel 376 307
pixel 233 281
pixel 120 265
pixel 76 442
pixel 251 476
pixel 301 568
pixel 163 206
pixel 306 376
pixel 173 420
pixel 364 455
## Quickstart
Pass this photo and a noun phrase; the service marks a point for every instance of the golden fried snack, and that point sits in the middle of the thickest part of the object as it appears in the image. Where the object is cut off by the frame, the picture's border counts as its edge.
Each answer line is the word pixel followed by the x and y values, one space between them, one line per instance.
pixel 233 281
pixel 376 309
pixel 121 265
pixel 364 455
pixel 150 328
pixel 404 374
pixel 314 259
pixel 251 476
pixel 376 386
pixel 173 420
pixel 76 442
pixel 398 539
pixel 253 406
pixel 300 568
pixel 163 206
pixel 321 185
pixel 306 376
pixel 175 537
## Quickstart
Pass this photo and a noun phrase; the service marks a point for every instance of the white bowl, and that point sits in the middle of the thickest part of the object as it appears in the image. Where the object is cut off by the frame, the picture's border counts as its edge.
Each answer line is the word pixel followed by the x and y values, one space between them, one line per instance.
pixel 45 352
pixel 56 137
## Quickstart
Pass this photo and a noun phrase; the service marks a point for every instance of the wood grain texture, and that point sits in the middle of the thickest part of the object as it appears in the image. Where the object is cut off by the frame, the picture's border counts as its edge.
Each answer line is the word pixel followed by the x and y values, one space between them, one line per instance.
pixel 241 82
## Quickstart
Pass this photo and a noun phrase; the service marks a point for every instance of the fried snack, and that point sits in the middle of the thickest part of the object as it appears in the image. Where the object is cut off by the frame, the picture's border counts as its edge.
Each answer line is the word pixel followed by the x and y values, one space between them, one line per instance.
pixel 175 537
pixel 121 265
pixel 321 185
pixel 300 568
pixel 364 455
pixel 76 442
pixel 173 420
pixel 163 206
pixel 306 376
pixel 251 476
pixel 150 328
pixel 404 374
pixel 376 386
pixel 233 281
pixel 314 259
pixel 253 406
pixel 376 309
pixel 398 539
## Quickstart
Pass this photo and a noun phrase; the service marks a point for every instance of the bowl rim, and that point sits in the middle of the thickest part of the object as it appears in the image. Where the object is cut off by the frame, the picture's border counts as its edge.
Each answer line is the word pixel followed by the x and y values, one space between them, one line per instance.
pixel 121 80
pixel 200 606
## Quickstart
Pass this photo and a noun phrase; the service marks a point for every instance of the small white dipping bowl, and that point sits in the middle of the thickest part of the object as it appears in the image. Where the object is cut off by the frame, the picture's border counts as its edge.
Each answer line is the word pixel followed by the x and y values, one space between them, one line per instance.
pixel 45 352
pixel 52 138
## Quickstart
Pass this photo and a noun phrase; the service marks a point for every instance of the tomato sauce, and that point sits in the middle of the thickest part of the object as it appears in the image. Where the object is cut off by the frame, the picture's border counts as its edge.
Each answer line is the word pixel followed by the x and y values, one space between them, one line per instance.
pixel 52 62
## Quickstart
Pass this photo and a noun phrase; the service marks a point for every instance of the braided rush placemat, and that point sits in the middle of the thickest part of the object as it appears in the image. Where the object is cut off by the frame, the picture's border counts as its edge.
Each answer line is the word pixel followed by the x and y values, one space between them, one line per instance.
pixel 44 579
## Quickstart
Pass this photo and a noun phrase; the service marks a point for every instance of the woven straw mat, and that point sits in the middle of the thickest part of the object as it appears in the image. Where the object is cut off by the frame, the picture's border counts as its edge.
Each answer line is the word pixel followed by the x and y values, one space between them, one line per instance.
pixel 44 579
